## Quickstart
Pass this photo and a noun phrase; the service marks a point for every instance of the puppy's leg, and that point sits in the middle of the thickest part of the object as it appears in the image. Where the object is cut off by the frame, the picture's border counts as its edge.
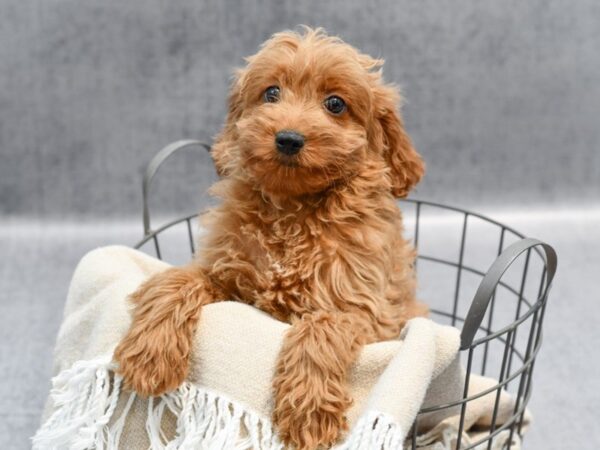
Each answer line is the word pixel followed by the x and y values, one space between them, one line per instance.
pixel 310 382
pixel 154 355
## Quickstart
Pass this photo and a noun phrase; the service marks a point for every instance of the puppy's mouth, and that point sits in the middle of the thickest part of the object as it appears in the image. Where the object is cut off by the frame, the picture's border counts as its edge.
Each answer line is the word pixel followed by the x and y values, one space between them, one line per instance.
pixel 289 161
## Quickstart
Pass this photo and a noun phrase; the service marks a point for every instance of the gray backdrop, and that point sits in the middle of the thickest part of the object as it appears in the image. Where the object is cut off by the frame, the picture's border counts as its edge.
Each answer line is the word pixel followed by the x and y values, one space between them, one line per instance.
pixel 502 97
pixel 503 101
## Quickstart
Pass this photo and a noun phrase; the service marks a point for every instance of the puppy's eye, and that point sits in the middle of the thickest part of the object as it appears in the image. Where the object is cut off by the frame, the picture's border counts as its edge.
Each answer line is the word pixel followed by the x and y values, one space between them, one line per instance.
pixel 271 94
pixel 335 105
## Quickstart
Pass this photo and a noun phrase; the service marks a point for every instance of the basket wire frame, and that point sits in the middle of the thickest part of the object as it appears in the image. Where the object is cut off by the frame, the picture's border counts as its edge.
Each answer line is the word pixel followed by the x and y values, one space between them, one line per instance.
pixel 514 345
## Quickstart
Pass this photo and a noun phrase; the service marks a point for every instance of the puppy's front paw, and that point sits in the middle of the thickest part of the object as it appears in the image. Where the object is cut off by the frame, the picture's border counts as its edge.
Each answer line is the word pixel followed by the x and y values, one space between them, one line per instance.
pixel 153 357
pixel 150 364
pixel 309 411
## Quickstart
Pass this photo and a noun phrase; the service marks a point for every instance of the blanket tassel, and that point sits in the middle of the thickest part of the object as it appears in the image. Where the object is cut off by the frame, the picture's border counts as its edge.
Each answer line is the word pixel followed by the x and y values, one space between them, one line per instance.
pixel 85 398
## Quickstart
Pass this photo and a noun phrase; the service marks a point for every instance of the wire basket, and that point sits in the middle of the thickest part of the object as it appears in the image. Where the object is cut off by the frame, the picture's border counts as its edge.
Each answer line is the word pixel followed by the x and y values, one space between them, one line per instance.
pixel 473 272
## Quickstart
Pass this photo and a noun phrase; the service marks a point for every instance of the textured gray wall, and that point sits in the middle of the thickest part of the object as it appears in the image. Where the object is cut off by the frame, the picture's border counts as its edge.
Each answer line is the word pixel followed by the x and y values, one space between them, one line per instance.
pixel 503 97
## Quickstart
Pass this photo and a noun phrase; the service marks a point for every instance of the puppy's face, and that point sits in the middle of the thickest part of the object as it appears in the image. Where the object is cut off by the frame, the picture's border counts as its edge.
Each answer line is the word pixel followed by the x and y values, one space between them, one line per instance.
pixel 309 111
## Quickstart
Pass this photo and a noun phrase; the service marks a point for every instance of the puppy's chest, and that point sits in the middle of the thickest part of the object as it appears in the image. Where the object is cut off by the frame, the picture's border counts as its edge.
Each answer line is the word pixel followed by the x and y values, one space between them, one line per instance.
pixel 284 251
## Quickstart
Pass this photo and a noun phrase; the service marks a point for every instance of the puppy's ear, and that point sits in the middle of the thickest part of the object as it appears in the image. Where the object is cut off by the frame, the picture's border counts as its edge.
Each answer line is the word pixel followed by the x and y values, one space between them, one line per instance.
pixel 224 147
pixel 405 163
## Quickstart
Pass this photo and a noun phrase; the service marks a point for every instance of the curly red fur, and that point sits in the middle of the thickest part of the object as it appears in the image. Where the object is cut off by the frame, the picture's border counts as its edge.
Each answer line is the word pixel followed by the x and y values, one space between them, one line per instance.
pixel 311 376
pixel 153 357
pixel 314 240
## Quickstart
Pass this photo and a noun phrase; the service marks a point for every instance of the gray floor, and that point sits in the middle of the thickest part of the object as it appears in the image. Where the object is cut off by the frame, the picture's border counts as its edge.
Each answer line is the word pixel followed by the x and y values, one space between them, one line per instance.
pixel 40 257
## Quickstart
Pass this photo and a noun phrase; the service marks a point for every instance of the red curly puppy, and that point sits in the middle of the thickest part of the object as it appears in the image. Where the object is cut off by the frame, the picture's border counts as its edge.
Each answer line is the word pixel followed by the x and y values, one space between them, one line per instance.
pixel 312 157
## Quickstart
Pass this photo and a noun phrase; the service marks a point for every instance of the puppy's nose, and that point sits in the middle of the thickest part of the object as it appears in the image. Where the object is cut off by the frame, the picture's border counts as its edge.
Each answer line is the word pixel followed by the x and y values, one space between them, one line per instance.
pixel 289 142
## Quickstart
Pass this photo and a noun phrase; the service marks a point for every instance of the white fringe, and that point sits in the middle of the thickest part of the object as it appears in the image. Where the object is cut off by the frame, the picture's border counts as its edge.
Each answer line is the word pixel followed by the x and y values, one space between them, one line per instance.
pixel 84 399
pixel 86 395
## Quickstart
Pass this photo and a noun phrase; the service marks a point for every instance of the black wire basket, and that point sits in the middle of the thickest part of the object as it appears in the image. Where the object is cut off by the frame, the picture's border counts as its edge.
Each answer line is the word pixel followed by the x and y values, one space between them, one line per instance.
pixel 473 271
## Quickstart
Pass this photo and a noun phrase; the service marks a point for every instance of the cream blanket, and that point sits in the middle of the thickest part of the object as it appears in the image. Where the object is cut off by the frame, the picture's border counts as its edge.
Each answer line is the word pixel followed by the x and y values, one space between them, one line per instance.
pixel 226 403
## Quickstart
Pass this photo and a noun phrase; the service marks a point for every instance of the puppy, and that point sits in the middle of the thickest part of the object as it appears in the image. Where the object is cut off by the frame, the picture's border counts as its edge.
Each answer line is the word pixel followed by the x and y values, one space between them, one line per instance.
pixel 312 157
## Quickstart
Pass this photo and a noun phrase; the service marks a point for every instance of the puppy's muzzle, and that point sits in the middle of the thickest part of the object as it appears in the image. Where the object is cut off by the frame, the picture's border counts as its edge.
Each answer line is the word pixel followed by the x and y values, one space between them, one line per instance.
pixel 289 142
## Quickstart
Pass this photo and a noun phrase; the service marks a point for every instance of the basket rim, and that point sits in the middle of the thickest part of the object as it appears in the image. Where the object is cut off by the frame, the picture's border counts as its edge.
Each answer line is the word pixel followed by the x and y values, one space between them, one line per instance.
pixel 415 201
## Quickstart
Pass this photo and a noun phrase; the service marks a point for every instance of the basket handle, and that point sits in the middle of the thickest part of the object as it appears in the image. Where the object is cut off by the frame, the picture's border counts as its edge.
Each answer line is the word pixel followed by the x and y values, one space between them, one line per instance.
pixel 153 167
pixel 493 276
